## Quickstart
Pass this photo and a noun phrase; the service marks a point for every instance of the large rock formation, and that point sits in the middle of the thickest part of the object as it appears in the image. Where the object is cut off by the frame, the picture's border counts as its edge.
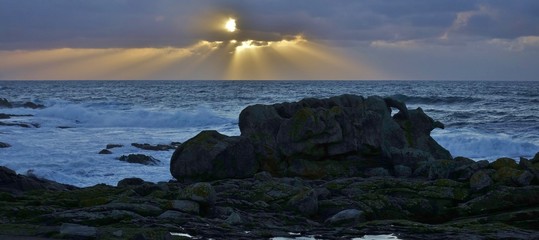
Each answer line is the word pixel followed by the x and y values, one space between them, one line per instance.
pixel 315 138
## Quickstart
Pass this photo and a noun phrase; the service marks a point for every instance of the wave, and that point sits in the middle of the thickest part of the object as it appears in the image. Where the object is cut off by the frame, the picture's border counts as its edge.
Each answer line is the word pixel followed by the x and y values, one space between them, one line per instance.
pixel 475 145
pixel 92 115
pixel 434 99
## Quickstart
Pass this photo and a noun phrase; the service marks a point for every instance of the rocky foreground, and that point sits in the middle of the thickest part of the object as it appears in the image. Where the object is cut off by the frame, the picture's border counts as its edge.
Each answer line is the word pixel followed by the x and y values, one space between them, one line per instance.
pixel 333 168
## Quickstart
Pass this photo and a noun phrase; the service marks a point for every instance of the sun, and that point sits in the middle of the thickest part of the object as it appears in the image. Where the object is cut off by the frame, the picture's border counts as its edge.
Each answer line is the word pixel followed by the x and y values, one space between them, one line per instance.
pixel 230 25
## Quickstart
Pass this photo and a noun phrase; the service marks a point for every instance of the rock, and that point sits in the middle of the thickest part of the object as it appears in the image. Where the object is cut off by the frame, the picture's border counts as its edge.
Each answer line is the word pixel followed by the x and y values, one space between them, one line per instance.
pixel 76 230
pixel 525 178
pixel 4 116
pixel 4 145
pixel 140 159
pixel 348 217
pixel 105 151
pixel 377 172
pixel 4 103
pixel 126 182
pixel 202 193
pixel 158 147
pixel 535 159
pixel 480 180
pixel 211 156
pixel 111 146
pixel 305 203
pixel 439 169
pixel 465 171
pixel 234 218
pixel 528 165
pixel 263 176
pixel 14 183
pixel 506 175
pixel 118 233
pixel 33 105
pixel 402 171
pixel 351 130
pixel 504 162
pixel 186 206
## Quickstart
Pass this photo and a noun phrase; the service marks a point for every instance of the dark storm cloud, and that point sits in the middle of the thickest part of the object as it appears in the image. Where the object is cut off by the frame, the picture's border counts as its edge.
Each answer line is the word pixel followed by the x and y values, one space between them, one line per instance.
pixel 138 23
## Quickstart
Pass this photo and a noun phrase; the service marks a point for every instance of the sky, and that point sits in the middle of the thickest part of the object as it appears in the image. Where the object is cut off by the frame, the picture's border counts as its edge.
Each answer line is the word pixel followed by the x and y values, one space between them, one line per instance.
pixel 274 39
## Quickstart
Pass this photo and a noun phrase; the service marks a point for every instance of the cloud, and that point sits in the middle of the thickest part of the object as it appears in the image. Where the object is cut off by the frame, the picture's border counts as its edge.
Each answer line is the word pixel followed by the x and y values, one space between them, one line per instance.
pixel 518 44
pixel 36 24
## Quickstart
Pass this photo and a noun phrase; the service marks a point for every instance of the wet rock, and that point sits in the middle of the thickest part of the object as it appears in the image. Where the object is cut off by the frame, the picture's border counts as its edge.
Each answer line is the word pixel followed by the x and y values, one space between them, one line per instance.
pixel 126 182
pixel 297 138
pixel 186 206
pixel 348 217
pixel 111 146
pixel 33 105
pixel 506 175
pixel 105 151
pixel 140 159
pixel 377 172
pixel 202 193
pixel 439 169
pixel 305 203
pixel 480 180
pixel 504 162
pixel 234 218
pixel 15 183
pixel 535 159
pixel 158 147
pixel 525 178
pixel 76 230
pixel 211 156
pixel 402 171
pixel 4 145
pixel 466 170
pixel 4 103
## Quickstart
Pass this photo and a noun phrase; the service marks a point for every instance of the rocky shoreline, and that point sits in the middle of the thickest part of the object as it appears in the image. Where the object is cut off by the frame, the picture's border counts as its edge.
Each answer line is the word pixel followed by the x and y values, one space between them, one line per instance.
pixel 336 168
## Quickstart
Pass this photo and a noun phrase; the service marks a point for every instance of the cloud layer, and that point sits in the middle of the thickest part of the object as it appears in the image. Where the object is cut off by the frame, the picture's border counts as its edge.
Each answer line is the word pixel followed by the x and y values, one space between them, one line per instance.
pixel 382 32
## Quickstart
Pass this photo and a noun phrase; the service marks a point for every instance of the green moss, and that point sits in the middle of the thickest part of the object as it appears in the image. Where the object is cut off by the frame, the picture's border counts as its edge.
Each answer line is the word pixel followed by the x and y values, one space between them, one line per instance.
pixel 299 120
pixel 408 133
pixel 504 162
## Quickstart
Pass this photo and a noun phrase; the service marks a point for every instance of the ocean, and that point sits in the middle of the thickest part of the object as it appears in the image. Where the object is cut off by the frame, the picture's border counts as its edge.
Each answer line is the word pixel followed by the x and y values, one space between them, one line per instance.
pixel 483 119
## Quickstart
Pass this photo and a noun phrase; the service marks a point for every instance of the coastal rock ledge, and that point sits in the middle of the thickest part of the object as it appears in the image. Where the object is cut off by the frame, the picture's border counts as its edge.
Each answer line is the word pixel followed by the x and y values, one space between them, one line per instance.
pixel 342 136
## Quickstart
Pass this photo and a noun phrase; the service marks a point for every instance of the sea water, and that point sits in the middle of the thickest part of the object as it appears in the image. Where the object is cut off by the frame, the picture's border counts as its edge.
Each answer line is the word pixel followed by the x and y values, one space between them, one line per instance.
pixel 484 120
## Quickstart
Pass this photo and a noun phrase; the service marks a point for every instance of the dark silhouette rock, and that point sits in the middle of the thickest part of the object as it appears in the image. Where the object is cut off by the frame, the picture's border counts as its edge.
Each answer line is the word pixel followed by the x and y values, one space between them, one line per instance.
pixel 4 103
pixel 211 155
pixel 15 183
pixel 140 159
pixel 4 145
pixel 105 151
pixel 33 105
pixel 158 147
pixel 339 128
pixel 111 146
pixel 130 182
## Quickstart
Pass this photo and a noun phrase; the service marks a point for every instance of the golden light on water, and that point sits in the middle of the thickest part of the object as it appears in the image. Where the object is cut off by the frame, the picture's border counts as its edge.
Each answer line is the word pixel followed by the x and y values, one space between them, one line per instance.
pixel 294 57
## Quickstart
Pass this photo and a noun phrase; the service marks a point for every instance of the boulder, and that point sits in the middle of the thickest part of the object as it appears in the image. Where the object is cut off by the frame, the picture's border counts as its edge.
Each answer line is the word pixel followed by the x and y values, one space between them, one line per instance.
pixel 4 103
pixel 105 151
pixel 202 193
pixel 359 132
pixel 402 171
pixel 504 162
pixel 12 182
pixel 234 218
pixel 535 159
pixel 158 147
pixel 348 216
pixel 33 105
pixel 76 230
pixel 211 156
pixel 480 180
pixel 140 159
pixel 111 146
pixel 305 202
pixel 126 182
pixel 186 206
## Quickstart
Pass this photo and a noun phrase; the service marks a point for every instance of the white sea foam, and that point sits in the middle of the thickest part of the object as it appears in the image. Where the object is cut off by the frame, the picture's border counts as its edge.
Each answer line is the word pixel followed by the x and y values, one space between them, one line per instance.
pixel 476 145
